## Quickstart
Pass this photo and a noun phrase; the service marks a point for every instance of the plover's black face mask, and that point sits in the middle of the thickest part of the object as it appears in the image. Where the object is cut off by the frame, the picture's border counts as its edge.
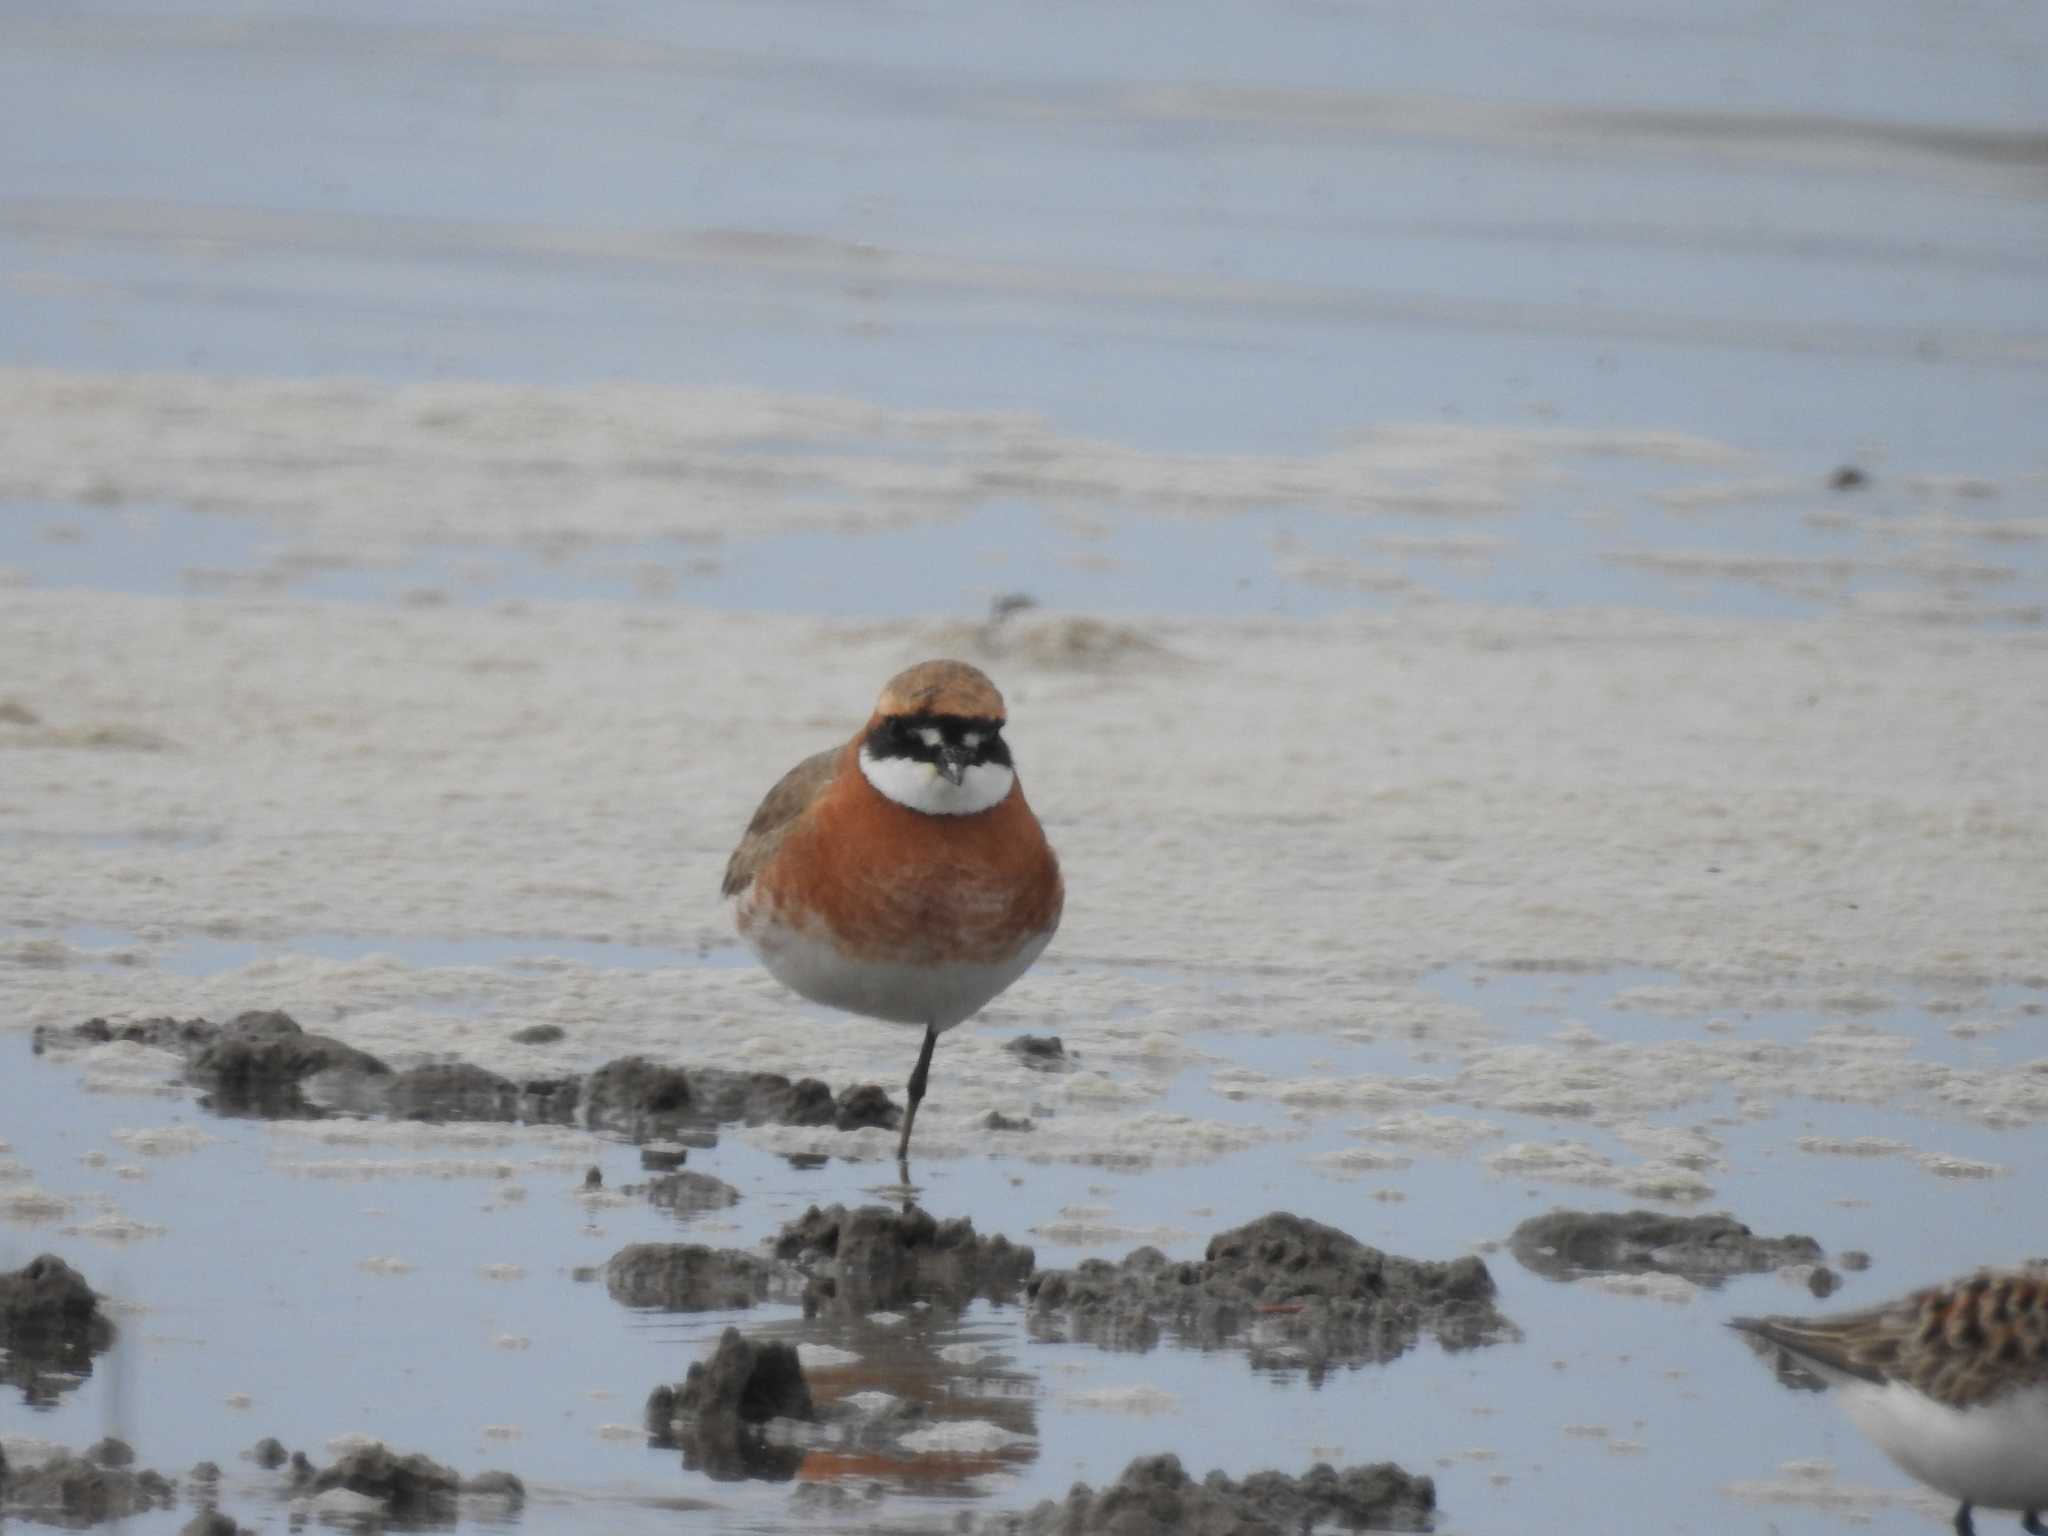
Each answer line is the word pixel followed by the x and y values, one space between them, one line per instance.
pixel 944 765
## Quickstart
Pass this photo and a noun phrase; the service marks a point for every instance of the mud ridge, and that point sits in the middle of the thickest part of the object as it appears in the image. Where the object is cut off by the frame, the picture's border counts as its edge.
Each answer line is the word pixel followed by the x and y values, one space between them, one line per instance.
pixel 264 1064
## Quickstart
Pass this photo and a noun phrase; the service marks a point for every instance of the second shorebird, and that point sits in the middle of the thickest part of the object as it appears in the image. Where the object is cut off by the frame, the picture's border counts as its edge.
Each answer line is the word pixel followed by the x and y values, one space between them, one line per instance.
pixel 1951 1382
pixel 902 875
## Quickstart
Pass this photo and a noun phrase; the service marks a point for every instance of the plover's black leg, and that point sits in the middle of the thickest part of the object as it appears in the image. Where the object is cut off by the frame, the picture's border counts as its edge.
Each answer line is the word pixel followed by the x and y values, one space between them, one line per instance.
pixel 918 1074
pixel 2030 1522
pixel 1965 1526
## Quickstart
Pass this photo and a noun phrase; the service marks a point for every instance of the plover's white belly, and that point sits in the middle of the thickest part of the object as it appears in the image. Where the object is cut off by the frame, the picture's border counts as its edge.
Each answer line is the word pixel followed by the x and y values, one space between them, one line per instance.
pixel 1995 1454
pixel 938 993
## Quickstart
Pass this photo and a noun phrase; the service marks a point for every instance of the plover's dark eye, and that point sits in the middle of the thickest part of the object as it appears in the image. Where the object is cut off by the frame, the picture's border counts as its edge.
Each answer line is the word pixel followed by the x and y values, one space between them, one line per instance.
pixel 908 738
pixel 991 748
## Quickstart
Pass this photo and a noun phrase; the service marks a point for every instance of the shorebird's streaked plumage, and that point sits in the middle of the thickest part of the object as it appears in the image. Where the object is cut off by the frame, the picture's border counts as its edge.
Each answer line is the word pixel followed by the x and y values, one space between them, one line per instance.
pixel 1951 1382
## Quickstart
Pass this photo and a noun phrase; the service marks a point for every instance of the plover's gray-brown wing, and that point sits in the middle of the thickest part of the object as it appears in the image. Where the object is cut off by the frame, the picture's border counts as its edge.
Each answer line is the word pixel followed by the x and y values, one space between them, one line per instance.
pixel 779 810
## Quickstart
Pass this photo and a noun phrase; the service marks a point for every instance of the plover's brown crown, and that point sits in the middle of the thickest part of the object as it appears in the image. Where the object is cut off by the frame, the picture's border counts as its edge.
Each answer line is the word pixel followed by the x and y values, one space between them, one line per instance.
pixel 941 688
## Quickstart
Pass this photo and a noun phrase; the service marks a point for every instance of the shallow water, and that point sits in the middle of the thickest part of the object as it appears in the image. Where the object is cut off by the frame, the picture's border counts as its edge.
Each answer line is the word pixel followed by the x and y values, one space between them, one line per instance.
pixel 259 1262
pixel 1985 568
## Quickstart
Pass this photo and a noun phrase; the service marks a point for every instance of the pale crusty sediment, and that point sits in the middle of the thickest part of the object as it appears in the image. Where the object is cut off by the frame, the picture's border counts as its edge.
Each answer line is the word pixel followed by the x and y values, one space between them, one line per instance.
pixel 1264 825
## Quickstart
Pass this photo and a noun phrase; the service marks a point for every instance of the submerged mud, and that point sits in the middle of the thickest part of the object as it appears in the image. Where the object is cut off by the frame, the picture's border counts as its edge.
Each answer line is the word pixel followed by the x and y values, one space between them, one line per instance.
pixel 369 1482
pixel 638 1098
pixel 1293 1292
pixel 65 1488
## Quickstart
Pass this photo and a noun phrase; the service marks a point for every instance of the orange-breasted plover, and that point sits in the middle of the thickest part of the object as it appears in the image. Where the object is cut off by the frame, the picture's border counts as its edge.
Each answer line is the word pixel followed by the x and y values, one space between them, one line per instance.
pixel 902 875
pixel 1951 1382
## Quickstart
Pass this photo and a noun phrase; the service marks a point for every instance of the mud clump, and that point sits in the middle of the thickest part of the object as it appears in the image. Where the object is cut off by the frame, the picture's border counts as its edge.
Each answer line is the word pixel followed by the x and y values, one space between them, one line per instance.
pixel 460 1090
pixel 209 1522
pixel 51 1326
pixel 66 1489
pixel 1041 1053
pixel 188 1037
pixel 1707 1249
pixel 643 1099
pixel 718 1413
pixel 877 1257
pixel 1295 1292
pixel 753 1382
pixel 864 1105
pixel 412 1487
pixel 759 1098
pixel 1154 1496
pixel 539 1034
pixel 259 1062
pixel 255 1064
pixel 624 1093
pixel 48 1298
pixel 687 1277
pixel 687 1191
pixel 453 1090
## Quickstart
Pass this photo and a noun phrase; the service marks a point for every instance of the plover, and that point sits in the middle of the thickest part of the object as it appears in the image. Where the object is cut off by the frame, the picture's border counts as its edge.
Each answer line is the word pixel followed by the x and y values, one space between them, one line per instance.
pixel 902 876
